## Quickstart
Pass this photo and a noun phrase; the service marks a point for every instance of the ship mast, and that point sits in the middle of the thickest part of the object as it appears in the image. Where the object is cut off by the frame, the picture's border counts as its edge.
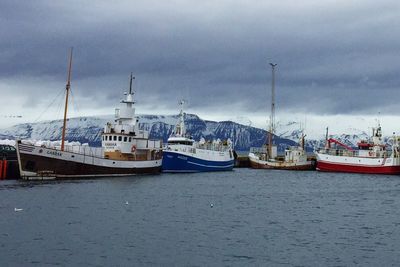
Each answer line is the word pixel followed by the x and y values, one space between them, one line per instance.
pixel 272 118
pixel 130 85
pixel 327 144
pixel 67 87
pixel 180 127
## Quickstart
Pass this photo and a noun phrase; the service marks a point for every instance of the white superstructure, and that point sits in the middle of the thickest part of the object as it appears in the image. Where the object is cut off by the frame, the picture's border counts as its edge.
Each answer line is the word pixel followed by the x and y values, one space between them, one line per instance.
pixel 183 153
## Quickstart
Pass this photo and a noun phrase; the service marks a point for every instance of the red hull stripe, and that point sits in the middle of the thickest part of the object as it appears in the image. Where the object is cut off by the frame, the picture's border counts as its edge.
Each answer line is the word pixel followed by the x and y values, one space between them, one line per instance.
pixel 334 167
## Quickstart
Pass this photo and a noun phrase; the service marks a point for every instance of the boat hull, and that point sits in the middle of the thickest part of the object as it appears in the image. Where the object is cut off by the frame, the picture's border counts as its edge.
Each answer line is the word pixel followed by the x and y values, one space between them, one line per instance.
pixel 281 165
pixel 328 163
pixel 180 162
pixel 44 163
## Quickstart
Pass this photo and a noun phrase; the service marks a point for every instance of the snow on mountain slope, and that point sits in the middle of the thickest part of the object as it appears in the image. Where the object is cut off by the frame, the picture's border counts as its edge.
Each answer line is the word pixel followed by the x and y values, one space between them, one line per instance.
pixel 88 130
pixel 348 135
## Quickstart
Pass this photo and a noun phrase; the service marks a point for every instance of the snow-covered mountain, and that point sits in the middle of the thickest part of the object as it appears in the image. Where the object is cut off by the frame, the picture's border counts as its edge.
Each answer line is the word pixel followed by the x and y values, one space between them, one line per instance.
pixel 350 136
pixel 88 130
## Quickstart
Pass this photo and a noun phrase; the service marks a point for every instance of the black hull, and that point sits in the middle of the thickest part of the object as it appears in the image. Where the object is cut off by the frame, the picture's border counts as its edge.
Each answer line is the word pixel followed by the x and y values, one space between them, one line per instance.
pixel 51 168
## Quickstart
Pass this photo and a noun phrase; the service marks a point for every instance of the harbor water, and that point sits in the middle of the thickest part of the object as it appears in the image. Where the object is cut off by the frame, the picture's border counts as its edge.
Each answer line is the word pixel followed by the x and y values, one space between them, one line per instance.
pixel 239 218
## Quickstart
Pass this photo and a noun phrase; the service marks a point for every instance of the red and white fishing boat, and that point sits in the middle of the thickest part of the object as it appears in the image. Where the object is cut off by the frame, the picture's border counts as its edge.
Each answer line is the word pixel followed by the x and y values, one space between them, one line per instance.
pixel 371 156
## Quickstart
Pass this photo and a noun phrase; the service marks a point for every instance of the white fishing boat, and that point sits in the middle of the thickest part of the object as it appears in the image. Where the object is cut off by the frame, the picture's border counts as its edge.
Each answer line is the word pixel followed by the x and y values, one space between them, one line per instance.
pixel 266 157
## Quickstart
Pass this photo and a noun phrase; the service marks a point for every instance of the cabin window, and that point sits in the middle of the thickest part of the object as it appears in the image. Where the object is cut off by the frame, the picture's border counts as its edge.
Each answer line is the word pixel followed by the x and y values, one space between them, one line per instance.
pixel 115 138
pixel 189 143
pixel 130 139
pixel 125 139
pixel 120 138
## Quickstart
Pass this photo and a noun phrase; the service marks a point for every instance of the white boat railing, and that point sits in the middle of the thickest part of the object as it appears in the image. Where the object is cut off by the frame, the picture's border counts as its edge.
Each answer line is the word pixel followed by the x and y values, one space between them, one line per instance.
pixel 86 151
pixel 258 150
pixel 352 153
pixel 214 147
pixel 188 148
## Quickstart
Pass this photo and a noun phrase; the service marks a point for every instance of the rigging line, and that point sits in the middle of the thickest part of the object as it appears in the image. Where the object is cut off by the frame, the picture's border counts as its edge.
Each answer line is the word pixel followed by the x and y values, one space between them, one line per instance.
pixel 51 103
pixel 74 104
pixel 59 110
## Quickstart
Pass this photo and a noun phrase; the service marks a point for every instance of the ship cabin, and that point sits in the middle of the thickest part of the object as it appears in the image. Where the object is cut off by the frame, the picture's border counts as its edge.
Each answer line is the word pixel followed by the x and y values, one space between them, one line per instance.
pixel 129 144
pixel 123 140
pixel 183 144
pixel 179 136
pixel 295 154
pixel 180 141
pixel 369 149
pixel 364 145
pixel 263 152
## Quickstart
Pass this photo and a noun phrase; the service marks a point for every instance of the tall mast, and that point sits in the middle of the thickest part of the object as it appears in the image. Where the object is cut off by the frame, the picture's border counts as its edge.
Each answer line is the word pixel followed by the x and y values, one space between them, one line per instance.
pixel 272 119
pixel 327 144
pixel 181 130
pixel 67 87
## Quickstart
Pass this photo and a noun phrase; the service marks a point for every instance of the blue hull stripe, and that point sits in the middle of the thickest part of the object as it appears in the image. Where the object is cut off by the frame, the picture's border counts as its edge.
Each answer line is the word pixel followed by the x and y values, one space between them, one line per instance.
pixel 174 162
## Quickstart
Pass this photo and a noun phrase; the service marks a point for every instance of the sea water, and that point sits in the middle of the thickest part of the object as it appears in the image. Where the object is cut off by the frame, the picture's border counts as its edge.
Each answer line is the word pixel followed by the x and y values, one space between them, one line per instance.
pixel 238 218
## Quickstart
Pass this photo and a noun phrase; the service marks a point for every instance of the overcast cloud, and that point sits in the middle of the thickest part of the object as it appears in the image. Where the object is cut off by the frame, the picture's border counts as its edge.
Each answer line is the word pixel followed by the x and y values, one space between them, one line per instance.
pixel 334 57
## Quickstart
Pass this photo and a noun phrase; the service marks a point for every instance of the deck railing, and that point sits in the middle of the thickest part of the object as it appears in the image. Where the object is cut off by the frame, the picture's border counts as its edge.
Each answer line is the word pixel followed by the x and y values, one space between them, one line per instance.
pixel 258 150
pixel 215 147
pixel 349 153
pixel 86 151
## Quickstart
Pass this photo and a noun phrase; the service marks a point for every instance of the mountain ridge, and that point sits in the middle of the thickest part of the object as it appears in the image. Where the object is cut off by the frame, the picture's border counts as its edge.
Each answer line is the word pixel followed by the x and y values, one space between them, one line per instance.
pixel 88 130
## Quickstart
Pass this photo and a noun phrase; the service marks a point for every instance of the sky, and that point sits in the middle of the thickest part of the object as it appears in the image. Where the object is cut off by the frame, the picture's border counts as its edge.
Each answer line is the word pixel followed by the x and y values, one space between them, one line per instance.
pixel 336 59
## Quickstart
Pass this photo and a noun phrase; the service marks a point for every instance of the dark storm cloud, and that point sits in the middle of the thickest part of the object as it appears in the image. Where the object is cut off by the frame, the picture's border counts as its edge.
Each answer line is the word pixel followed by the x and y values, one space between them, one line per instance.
pixel 333 56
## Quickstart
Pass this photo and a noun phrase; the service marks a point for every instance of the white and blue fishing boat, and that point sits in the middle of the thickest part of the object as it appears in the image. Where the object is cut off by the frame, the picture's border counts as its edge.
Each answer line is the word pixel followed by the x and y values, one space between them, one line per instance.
pixel 183 154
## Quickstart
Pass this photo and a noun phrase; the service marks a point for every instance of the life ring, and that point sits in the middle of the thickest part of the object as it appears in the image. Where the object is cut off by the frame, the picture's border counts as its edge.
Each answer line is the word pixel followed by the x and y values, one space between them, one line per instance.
pixel 133 149
pixel 370 153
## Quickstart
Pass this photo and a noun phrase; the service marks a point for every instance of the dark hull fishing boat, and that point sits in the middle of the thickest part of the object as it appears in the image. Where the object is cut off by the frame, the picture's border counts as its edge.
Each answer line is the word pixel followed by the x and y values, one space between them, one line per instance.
pixel 125 150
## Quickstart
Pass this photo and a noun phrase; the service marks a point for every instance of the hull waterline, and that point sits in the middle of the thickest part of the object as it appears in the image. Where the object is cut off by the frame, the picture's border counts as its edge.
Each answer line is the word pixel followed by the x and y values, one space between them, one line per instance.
pixel 375 169
pixel 176 162
pixel 45 163
pixel 259 164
